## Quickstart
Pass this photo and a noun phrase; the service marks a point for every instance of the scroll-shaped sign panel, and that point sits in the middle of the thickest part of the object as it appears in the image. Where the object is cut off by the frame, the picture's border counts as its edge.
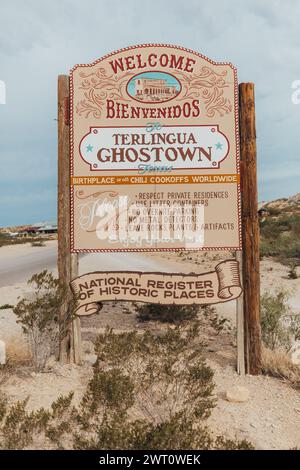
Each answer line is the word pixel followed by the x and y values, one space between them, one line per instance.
pixel 154 152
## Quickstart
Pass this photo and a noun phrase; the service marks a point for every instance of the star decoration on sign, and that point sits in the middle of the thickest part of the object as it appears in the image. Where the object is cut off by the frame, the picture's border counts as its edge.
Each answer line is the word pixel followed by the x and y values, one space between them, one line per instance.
pixel 219 146
pixel 89 148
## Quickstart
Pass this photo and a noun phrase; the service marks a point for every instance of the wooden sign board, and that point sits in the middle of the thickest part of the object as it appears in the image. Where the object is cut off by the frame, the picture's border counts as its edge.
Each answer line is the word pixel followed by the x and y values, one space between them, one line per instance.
pixel 154 152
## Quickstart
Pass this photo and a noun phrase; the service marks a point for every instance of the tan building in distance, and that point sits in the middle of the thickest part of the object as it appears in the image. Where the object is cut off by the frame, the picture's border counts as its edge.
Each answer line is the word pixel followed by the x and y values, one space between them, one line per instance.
pixel 154 89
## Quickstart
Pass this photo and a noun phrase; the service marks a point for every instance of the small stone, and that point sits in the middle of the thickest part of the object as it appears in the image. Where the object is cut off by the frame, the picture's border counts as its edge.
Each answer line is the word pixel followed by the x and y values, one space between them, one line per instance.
pixel 91 359
pixel 237 394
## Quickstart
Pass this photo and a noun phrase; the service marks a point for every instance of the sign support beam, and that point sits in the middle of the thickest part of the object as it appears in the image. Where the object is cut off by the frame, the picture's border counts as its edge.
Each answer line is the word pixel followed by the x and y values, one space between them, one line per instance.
pixel 250 230
pixel 69 347
pixel 240 323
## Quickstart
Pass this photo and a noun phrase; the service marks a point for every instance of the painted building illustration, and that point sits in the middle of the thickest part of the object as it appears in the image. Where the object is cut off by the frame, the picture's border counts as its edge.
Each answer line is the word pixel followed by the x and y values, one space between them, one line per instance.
pixel 154 89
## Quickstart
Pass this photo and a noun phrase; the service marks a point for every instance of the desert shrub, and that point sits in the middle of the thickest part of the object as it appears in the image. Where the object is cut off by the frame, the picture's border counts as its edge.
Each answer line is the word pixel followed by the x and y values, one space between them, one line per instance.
pixel 181 314
pixel 292 274
pixel 271 228
pixel 280 237
pixel 217 322
pixel 295 225
pixel 39 315
pixel 5 373
pixel 290 249
pixel 61 420
pixel 147 392
pixel 275 247
pixel 273 211
pixel 178 376
pixel 38 243
pixel 17 425
pixel 166 313
pixel 280 327
pixel 284 248
pixel 229 444
pixel 6 306
pixel 20 428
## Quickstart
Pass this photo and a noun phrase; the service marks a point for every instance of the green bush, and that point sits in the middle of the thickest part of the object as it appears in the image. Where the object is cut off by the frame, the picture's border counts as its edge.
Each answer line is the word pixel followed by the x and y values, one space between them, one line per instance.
pixel 39 315
pixel 167 313
pixel 273 211
pixel 17 425
pixel 38 243
pixel 292 274
pixel 217 322
pixel 280 237
pixel 6 306
pixel 161 381
pixel 280 328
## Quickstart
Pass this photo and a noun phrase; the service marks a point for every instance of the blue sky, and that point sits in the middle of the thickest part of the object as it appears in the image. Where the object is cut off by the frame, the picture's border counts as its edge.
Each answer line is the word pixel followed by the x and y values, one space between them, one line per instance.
pixel 39 40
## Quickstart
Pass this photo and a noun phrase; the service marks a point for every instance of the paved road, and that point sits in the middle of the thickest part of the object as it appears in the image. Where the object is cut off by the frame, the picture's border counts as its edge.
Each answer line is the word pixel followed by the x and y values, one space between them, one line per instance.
pixel 18 263
pixel 124 262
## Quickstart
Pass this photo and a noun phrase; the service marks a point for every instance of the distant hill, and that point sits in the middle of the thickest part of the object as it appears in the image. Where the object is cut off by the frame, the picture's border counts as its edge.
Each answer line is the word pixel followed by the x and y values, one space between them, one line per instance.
pixel 286 205
pixel 280 230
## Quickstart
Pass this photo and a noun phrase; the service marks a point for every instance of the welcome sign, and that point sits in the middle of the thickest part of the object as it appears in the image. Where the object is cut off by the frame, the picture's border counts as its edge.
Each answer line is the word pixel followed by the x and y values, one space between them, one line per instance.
pixel 154 152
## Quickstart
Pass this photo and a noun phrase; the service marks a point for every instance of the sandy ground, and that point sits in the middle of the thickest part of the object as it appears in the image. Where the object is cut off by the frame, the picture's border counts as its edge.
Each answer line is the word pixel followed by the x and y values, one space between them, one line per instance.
pixel 271 417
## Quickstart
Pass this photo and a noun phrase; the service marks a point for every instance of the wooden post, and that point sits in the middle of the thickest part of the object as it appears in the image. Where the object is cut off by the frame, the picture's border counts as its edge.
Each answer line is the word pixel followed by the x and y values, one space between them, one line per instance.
pixel 69 348
pixel 76 327
pixel 240 332
pixel 250 230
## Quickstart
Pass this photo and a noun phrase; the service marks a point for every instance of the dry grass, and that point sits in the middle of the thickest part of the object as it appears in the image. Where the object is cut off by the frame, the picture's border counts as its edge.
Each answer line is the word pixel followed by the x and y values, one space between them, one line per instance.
pixel 17 350
pixel 6 372
pixel 277 363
